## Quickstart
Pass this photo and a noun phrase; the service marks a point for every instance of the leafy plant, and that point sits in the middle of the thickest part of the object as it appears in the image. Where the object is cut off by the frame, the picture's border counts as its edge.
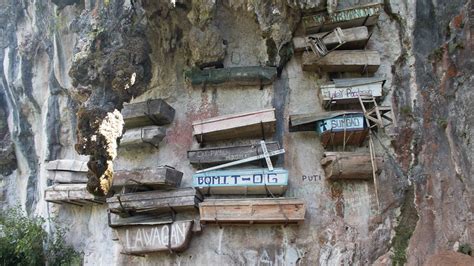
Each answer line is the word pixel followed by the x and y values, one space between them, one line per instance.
pixel 23 241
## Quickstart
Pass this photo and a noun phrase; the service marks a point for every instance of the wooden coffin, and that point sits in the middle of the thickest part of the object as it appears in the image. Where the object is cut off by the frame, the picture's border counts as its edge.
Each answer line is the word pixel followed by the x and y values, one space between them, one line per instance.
pixel 75 194
pixel 343 91
pixel 349 165
pixel 137 137
pixel 228 154
pixel 355 38
pixel 342 61
pixel 155 201
pixel 243 125
pixel 249 211
pixel 242 181
pixel 365 15
pixel 147 179
pixel 67 171
pixel 143 239
pixel 151 112
pixel 253 75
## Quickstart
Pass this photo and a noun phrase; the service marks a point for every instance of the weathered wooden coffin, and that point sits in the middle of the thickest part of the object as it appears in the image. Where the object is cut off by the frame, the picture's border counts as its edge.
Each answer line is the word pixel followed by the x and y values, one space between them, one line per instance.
pixel 249 211
pixel 230 153
pixel 67 171
pixel 143 239
pixel 355 38
pixel 137 137
pixel 147 179
pixel 252 75
pixel 366 15
pixel 151 112
pixel 342 91
pixel 342 61
pixel 349 165
pixel 242 181
pixel 243 125
pixel 75 194
pixel 155 201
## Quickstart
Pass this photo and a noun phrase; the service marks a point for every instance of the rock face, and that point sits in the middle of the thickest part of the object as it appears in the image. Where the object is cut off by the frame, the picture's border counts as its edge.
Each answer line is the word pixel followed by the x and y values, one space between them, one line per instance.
pixel 69 66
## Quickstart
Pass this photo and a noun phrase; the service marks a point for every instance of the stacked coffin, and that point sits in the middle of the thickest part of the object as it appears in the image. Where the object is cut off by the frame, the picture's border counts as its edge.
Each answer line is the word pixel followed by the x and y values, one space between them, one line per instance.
pixel 335 42
pixel 242 181
pixel 149 211
pixel 69 178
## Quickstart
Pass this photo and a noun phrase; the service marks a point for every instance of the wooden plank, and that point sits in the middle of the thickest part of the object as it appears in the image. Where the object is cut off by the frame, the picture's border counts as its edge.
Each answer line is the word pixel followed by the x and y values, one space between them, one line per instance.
pixel 147 179
pixel 252 75
pixel 349 165
pixel 342 61
pixel 152 112
pixel 241 125
pixel 226 154
pixel 155 201
pixel 356 38
pixel 366 15
pixel 136 137
pixel 144 239
pixel 67 193
pixel 343 91
pixel 64 177
pixel 67 165
pixel 266 210
pixel 242 181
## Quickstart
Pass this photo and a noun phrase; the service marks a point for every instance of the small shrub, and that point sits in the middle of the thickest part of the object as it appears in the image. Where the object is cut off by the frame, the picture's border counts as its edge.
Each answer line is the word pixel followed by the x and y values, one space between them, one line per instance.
pixel 465 249
pixel 23 241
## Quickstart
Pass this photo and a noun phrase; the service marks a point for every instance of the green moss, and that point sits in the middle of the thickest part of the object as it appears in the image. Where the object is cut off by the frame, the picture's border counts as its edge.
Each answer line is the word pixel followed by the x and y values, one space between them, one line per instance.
pixel 437 54
pixel 403 232
pixel 442 122
pixel 465 249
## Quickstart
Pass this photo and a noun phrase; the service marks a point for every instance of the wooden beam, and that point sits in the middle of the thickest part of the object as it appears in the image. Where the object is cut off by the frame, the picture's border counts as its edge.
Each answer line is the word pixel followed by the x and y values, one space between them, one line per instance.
pixel 342 61
pixel 229 153
pixel 356 38
pixel 252 75
pixel 67 165
pixel 242 181
pixel 259 210
pixel 152 112
pixel 366 15
pixel 155 201
pixel 144 239
pixel 147 179
pixel 137 137
pixel 67 193
pixel 243 125
pixel 349 165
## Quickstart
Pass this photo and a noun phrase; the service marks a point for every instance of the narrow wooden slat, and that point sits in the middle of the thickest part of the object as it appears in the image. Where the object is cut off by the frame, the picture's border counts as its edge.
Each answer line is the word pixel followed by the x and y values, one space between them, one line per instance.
pixel 152 112
pixel 355 38
pixel 342 61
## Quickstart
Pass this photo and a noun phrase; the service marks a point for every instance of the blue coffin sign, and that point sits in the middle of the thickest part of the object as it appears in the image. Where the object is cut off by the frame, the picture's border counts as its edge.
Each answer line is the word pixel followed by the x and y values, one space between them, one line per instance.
pixel 348 122
pixel 242 181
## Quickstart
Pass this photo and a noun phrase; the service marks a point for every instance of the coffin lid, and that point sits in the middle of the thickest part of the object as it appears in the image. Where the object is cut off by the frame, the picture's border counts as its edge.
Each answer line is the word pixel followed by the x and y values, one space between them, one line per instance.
pixel 339 83
pixel 224 117
pixel 301 119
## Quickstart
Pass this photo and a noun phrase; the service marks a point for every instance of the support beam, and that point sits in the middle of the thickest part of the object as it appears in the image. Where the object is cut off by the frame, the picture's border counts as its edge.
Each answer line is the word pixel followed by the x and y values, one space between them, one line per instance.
pixel 342 61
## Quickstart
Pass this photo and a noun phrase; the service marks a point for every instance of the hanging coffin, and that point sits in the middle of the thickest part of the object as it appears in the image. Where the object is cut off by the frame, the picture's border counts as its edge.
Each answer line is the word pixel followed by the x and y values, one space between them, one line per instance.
pixel 230 153
pixel 342 61
pixel 67 171
pixel 75 194
pixel 366 15
pixel 144 239
pixel 147 179
pixel 138 137
pixel 253 75
pixel 243 125
pixel 156 201
pixel 343 91
pixel 152 112
pixel 242 181
pixel 349 165
pixel 250 211
pixel 355 38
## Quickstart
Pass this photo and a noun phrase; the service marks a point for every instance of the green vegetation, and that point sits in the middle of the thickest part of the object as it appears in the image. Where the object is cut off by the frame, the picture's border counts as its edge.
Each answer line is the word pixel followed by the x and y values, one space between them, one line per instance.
pixel 465 249
pixel 23 241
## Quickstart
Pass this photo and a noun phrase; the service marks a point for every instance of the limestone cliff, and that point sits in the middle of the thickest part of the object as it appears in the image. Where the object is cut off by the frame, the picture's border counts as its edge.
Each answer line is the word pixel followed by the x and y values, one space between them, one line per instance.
pixel 69 66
